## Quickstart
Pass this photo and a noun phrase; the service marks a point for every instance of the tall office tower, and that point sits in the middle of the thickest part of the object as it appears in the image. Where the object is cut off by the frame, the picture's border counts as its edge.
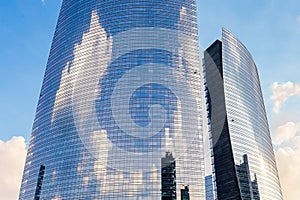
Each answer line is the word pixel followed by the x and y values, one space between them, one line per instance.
pixel 122 87
pixel 185 193
pixel 168 177
pixel 209 191
pixel 246 184
pixel 240 137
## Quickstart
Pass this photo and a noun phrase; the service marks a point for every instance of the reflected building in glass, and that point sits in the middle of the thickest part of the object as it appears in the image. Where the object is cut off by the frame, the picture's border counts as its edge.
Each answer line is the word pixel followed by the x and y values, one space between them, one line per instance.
pixel 209 191
pixel 242 154
pixel 122 88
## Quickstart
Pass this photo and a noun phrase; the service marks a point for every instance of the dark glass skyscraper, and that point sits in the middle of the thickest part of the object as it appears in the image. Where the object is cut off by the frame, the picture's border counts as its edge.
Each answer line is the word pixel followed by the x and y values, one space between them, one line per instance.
pixel 243 157
pixel 122 87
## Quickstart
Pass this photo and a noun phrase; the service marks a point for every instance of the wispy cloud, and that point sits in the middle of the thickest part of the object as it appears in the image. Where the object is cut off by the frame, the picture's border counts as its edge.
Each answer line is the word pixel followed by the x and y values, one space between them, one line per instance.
pixel 281 92
pixel 286 132
pixel 298 18
pixel 44 2
pixel 12 159
pixel 287 140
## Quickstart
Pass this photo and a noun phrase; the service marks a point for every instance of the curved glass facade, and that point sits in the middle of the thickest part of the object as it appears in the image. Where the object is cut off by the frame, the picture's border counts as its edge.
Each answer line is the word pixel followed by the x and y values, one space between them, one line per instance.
pixel 247 121
pixel 242 154
pixel 120 110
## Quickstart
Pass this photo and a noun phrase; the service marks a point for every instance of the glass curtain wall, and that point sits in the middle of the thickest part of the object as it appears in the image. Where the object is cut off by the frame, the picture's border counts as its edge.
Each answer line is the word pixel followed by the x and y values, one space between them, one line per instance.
pixel 122 89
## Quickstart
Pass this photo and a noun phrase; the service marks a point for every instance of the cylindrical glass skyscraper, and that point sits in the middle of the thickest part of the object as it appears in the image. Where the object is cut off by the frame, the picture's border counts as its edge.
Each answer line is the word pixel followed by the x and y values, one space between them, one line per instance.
pixel 120 110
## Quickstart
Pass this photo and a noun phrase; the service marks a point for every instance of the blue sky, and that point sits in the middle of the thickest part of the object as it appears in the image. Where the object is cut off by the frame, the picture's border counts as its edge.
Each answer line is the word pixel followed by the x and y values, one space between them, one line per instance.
pixel 270 30
pixel 26 32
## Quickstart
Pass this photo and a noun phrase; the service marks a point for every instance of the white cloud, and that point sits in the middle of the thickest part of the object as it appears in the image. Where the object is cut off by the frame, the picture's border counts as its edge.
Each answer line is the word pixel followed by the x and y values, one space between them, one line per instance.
pixel 43 1
pixel 286 132
pixel 281 92
pixel 288 159
pixel 298 18
pixel 12 159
